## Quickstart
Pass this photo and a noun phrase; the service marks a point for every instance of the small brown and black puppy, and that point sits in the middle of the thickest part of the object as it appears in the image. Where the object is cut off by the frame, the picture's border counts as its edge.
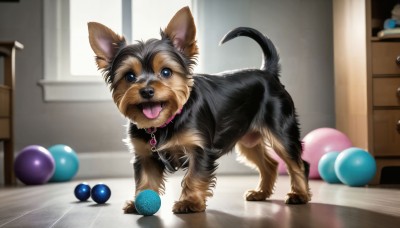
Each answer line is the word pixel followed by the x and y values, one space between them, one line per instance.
pixel 179 119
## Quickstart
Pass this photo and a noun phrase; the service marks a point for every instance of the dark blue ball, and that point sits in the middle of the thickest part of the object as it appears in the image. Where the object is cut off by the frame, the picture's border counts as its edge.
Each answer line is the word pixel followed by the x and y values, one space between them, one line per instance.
pixel 82 191
pixel 101 193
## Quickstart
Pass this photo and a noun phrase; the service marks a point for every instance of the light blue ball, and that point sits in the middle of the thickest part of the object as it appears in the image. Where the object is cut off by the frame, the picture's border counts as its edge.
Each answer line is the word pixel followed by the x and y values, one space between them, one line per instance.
pixel 355 167
pixel 66 162
pixel 326 167
pixel 147 202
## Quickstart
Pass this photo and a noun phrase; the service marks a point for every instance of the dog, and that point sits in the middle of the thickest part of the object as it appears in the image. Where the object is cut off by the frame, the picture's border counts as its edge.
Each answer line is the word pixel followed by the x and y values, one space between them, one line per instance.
pixel 182 120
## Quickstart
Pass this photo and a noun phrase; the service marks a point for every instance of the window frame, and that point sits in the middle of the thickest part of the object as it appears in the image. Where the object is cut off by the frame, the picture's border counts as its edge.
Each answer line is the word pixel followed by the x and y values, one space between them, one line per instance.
pixel 58 83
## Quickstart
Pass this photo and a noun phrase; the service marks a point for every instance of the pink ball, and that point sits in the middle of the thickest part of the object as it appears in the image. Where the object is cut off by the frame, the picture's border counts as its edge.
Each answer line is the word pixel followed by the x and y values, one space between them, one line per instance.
pixel 319 142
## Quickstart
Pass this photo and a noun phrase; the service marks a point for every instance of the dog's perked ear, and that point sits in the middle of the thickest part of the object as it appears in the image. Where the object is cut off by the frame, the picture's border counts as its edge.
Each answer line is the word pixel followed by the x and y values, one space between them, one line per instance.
pixel 105 43
pixel 181 30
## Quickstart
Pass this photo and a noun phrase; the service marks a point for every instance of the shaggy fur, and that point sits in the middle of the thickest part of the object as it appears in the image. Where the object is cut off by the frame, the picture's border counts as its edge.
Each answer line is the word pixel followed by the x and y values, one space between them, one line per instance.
pixel 178 119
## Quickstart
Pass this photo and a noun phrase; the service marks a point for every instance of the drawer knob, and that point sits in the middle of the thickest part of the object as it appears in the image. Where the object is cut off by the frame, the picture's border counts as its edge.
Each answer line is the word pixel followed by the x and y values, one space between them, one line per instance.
pixel 398 126
pixel 398 60
pixel 398 92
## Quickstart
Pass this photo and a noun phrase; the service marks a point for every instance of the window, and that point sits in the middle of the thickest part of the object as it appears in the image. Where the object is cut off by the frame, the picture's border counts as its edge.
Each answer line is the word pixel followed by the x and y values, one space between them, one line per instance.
pixel 69 66
pixel 107 12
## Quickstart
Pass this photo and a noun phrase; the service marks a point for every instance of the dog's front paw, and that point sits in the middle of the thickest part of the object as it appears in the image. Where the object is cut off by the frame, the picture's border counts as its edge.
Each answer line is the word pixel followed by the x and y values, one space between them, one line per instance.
pixel 254 195
pixel 129 207
pixel 294 198
pixel 186 206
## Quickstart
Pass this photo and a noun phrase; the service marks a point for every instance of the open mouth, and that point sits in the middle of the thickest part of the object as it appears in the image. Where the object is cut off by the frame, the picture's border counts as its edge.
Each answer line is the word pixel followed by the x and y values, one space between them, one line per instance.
pixel 151 109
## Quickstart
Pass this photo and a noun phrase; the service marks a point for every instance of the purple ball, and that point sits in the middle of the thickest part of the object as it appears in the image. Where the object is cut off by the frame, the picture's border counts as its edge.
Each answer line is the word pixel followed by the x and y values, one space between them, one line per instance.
pixel 34 165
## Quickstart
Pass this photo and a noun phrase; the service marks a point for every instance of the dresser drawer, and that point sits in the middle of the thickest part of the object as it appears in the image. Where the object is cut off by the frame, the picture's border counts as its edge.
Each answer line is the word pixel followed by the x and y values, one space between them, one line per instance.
pixel 386 132
pixel 385 58
pixel 386 91
pixel 4 101
pixel 4 128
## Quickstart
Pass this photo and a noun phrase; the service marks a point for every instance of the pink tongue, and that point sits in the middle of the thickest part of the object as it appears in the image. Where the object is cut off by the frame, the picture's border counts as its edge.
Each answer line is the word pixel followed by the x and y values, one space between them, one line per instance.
pixel 152 110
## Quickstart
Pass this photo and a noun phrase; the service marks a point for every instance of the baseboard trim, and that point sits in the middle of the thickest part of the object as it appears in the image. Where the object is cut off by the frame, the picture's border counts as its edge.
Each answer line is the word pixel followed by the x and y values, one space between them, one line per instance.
pixel 118 164
pixel 95 165
pixel 104 165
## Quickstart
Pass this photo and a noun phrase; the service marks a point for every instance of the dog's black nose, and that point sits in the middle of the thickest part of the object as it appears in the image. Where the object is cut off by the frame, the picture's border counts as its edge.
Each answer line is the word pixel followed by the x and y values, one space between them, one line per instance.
pixel 147 92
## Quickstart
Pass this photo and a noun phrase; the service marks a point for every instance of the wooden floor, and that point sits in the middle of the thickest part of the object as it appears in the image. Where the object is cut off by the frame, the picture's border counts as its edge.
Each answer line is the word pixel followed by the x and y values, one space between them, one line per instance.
pixel 54 205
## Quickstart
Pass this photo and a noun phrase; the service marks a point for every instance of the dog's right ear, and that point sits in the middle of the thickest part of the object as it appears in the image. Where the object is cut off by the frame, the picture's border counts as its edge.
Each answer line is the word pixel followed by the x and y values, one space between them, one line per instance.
pixel 105 43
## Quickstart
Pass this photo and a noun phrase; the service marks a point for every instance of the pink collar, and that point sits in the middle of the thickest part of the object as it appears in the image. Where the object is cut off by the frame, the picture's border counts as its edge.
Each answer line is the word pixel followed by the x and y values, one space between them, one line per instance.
pixel 152 130
pixel 169 120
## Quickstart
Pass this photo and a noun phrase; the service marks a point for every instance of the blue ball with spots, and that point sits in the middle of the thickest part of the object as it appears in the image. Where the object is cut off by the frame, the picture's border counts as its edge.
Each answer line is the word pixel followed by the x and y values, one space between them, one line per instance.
pixel 147 202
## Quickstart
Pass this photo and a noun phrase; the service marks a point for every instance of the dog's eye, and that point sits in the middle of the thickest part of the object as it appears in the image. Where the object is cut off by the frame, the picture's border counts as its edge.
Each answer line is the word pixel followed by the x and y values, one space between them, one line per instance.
pixel 130 77
pixel 166 72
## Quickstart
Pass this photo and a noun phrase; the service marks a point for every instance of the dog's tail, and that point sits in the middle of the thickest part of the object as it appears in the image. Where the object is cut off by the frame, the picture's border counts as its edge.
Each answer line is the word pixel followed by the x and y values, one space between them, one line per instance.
pixel 270 61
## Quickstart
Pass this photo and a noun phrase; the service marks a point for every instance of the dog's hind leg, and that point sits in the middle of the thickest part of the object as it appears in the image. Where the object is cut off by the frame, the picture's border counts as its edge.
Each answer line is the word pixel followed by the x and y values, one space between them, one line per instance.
pixel 290 152
pixel 253 149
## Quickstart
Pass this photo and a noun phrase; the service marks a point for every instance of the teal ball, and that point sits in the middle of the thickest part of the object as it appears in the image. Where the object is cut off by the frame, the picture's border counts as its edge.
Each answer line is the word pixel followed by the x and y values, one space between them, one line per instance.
pixel 326 167
pixel 147 202
pixel 355 167
pixel 66 163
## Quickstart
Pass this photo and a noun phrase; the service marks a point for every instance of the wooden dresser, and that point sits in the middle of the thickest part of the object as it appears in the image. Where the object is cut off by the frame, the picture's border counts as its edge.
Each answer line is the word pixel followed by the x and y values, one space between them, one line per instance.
pixel 7 86
pixel 367 82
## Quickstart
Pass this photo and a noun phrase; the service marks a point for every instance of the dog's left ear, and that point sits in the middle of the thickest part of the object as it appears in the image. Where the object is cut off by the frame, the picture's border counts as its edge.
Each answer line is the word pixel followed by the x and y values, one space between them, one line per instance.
pixel 182 32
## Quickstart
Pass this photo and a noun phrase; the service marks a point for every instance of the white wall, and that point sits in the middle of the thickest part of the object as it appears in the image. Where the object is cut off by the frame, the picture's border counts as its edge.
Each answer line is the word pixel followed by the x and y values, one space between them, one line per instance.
pixel 302 33
pixel 301 29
